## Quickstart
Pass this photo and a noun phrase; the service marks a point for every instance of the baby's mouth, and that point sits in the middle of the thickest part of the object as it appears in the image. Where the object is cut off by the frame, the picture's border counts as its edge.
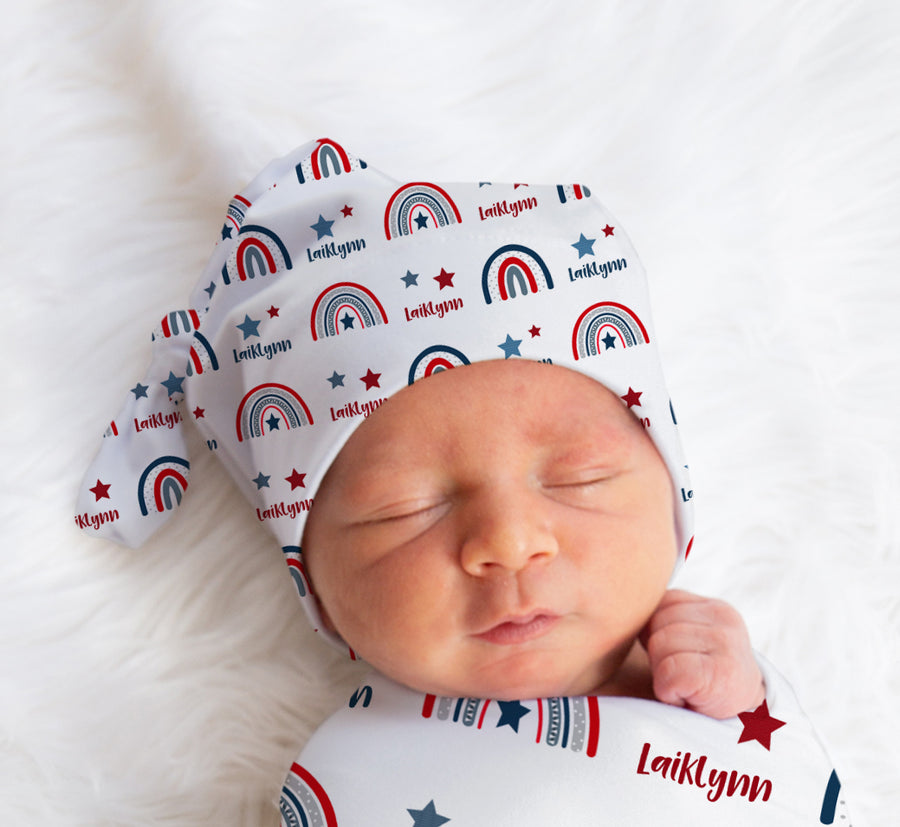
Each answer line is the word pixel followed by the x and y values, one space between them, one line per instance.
pixel 519 629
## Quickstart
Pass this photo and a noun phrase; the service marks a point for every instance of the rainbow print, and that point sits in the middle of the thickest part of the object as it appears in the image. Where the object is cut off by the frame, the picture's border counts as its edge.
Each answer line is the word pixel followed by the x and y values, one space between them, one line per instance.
pixel 237 209
pixel 417 206
pixel 607 326
pixel 304 802
pixel 434 359
pixel 572 192
pixel 512 271
pixel 178 322
pixel 294 559
pixel 568 723
pixel 201 356
pixel 267 404
pixel 162 484
pixel 358 303
pixel 327 159
pixel 258 252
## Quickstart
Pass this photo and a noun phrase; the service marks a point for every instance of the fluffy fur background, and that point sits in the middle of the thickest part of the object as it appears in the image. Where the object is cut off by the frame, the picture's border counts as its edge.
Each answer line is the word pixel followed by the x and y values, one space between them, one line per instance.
pixel 751 151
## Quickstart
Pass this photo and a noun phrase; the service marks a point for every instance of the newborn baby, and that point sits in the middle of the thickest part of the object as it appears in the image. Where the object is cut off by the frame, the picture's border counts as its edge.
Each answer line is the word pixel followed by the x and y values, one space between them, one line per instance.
pixel 464 380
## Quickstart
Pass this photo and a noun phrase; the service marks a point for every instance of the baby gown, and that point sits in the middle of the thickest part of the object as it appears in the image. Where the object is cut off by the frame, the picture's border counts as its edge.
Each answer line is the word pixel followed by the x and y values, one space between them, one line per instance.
pixel 393 757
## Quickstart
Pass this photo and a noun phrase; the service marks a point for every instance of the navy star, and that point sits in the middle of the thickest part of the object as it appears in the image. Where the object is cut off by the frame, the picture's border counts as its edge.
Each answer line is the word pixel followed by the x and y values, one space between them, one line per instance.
pixel 322 228
pixel 483 184
pixel 510 347
pixel 262 481
pixel 248 327
pixel 336 379
pixel 510 714
pixel 226 232
pixel 211 289
pixel 410 279
pixel 585 246
pixel 421 220
pixel 273 422
pixel 140 390
pixel 173 384
pixel 609 340
pixel 427 817
pixel 347 321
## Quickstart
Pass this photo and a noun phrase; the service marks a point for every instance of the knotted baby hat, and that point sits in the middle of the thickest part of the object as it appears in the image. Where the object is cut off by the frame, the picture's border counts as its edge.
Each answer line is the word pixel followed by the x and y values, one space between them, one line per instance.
pixel 332 287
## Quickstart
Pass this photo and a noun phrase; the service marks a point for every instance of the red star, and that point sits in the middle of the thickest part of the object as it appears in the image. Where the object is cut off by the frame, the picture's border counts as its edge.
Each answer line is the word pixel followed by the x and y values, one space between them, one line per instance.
pixel 371 379
pixel 759 725
pixel 607 231
pixel 534 330
pixel 516 186
pixel 198 412
pixel 445 279
pixel 633 397
pixel 273 311
pixel 100 491
pixel 296 480
pixel 347 211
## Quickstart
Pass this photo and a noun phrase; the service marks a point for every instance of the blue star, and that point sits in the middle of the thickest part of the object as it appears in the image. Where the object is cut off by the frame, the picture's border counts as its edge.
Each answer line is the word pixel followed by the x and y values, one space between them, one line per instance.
pixel 585 246
pixel 211 289
pixel 273 422
pixel 322 228
pixel 510 347
pixel 483 184
pixel 173 384
pixel 347 321
pixel 336 379
pixel 510 713
pixel 248 327
pixel 226 232
pixel 609 340
pixel 421 220
pixel 428 817
pixel 262 481
pixel 410 279
pixel 140 390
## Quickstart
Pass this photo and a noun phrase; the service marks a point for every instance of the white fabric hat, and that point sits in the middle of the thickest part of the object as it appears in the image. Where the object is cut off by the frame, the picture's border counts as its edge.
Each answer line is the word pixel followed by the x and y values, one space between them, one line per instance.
pixel 332 287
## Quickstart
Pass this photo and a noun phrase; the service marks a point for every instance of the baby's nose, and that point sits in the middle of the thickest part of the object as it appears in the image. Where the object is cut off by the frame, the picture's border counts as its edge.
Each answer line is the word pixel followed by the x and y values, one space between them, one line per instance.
pixel 506 532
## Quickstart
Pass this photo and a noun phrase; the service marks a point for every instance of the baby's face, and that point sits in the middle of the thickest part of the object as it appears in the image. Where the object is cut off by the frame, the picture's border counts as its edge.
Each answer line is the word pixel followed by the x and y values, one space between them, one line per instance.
pixel 500 530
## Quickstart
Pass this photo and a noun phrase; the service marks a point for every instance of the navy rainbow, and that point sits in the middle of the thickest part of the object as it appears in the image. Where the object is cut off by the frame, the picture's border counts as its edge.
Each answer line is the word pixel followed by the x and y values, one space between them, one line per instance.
pixel 270 400
pixel 417 206
pixel 294 559
pixel 359 304
pixel 237 209
pixel 329 158
pixel 568 723
pixel 434 359
pixel 258 252
pixel 162 484
pixel 572 192
pixel 607 326
pixel 201 356
pixel 514 270
pixel 304 802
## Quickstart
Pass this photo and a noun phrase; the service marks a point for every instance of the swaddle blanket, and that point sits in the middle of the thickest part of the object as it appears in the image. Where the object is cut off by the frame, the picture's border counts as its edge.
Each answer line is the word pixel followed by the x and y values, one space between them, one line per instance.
pixel 331 287
pixel 392 756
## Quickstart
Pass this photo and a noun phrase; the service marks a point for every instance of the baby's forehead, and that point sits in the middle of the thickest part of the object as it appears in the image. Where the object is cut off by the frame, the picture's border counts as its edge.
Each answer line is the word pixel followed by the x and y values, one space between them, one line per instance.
pixel 480 407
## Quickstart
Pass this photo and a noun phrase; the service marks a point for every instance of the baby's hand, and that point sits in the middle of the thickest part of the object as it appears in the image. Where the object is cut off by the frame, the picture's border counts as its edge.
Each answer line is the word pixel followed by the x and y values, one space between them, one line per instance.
pixel 700 656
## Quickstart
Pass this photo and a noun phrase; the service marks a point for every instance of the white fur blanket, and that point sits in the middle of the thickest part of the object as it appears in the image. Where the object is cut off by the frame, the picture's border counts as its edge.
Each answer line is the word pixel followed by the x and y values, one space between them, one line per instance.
pixel 750 149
